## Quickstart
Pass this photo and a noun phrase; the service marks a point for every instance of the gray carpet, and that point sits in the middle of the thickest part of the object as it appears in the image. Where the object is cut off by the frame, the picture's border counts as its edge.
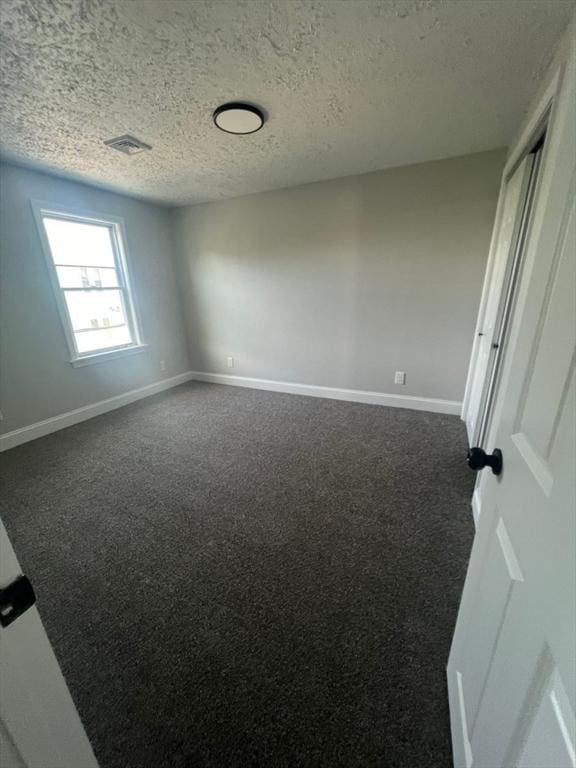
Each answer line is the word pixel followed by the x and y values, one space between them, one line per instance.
pixel 234 578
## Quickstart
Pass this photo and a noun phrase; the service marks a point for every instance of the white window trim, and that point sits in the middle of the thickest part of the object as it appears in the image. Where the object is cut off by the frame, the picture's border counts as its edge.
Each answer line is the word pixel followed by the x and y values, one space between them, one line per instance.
pixel 69 213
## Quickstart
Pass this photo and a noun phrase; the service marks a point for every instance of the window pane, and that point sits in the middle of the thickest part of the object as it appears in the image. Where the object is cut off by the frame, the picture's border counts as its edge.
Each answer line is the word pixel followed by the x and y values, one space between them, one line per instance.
pixel 87 277
pixel 72 242
pixel 95 309
pixel 92 341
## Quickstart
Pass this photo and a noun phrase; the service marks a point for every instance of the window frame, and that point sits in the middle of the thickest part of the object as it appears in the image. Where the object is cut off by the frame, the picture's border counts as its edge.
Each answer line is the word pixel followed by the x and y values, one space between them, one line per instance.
pixel 117 229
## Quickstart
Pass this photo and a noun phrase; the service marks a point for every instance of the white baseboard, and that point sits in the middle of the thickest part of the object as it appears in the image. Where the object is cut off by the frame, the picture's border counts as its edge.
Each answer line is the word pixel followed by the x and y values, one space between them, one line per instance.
pixel 334 393
pixel 63 420
pixel 41 428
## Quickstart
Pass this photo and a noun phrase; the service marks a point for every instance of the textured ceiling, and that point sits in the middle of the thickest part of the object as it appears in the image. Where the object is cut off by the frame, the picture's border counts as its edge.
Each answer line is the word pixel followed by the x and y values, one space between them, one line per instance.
pixel 349 86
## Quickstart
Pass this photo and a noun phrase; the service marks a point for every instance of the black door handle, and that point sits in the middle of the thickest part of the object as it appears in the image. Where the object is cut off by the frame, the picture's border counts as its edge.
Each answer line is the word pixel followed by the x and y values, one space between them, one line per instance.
pixel 15 599
pixel 478 459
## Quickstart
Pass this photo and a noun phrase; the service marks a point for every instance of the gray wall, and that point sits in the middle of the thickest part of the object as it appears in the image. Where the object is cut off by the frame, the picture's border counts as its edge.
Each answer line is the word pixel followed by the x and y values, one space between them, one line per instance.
pixel 342 283
pixel 36 378
pixel 338 284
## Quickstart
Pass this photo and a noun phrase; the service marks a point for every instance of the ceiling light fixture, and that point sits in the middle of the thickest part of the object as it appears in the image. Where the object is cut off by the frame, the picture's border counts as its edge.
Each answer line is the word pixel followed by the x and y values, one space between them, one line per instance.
pixel 236 117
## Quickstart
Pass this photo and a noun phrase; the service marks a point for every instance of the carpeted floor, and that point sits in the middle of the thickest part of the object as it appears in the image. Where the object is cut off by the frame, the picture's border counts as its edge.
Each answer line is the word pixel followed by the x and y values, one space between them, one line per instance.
pixel 233 578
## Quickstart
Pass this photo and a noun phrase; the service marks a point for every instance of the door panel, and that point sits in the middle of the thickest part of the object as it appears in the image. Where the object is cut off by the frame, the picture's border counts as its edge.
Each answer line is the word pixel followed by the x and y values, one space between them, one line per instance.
pixel 551 733
pixel 553 352
pixel 493 595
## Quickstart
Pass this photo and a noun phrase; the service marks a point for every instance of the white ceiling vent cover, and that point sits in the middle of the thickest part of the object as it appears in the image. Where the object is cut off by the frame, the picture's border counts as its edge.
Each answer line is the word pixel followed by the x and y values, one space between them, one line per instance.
pixel 129 145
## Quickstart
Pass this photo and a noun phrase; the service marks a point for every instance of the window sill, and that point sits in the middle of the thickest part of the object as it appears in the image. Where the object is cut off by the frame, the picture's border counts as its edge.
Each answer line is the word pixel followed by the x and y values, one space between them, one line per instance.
pixel 103 357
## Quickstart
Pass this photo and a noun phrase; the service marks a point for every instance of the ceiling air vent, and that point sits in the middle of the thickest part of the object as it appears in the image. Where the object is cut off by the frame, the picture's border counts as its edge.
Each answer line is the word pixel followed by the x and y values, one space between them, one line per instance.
pixel 127 144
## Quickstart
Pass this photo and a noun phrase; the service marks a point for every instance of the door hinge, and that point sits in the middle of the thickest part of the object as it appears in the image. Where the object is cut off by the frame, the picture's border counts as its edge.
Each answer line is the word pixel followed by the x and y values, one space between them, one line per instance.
pixel 15 599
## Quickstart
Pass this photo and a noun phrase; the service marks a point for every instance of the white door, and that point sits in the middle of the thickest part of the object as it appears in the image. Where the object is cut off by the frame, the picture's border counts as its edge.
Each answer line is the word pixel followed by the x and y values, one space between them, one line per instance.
pixel 512 667
pixel 39 724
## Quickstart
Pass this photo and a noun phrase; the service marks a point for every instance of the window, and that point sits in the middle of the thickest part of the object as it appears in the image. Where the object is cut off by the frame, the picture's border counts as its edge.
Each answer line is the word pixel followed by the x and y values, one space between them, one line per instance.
pixel 88 268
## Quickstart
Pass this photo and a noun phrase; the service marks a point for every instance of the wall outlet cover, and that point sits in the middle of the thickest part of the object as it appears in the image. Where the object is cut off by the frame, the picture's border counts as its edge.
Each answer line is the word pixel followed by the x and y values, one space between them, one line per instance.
pixel 400 377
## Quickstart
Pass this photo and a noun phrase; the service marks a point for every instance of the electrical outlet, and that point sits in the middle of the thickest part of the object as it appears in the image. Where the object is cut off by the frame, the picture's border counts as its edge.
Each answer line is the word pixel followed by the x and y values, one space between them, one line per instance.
pixel 162 366
pixel 400 377
pixel 230 362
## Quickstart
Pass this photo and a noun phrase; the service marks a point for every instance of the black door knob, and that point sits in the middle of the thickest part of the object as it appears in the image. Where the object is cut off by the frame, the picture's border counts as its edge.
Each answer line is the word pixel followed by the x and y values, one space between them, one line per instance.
pixel 15 599
pixel 478 459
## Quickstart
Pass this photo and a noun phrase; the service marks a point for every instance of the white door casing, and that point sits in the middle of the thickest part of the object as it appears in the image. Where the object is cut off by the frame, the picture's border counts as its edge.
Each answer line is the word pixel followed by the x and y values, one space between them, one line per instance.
pixel 513 192
pixel 512 667
pixel 39 724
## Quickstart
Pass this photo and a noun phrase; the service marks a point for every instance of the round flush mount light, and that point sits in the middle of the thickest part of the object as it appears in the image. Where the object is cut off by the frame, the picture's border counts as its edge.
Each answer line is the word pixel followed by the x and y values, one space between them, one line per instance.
pixel 236 117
